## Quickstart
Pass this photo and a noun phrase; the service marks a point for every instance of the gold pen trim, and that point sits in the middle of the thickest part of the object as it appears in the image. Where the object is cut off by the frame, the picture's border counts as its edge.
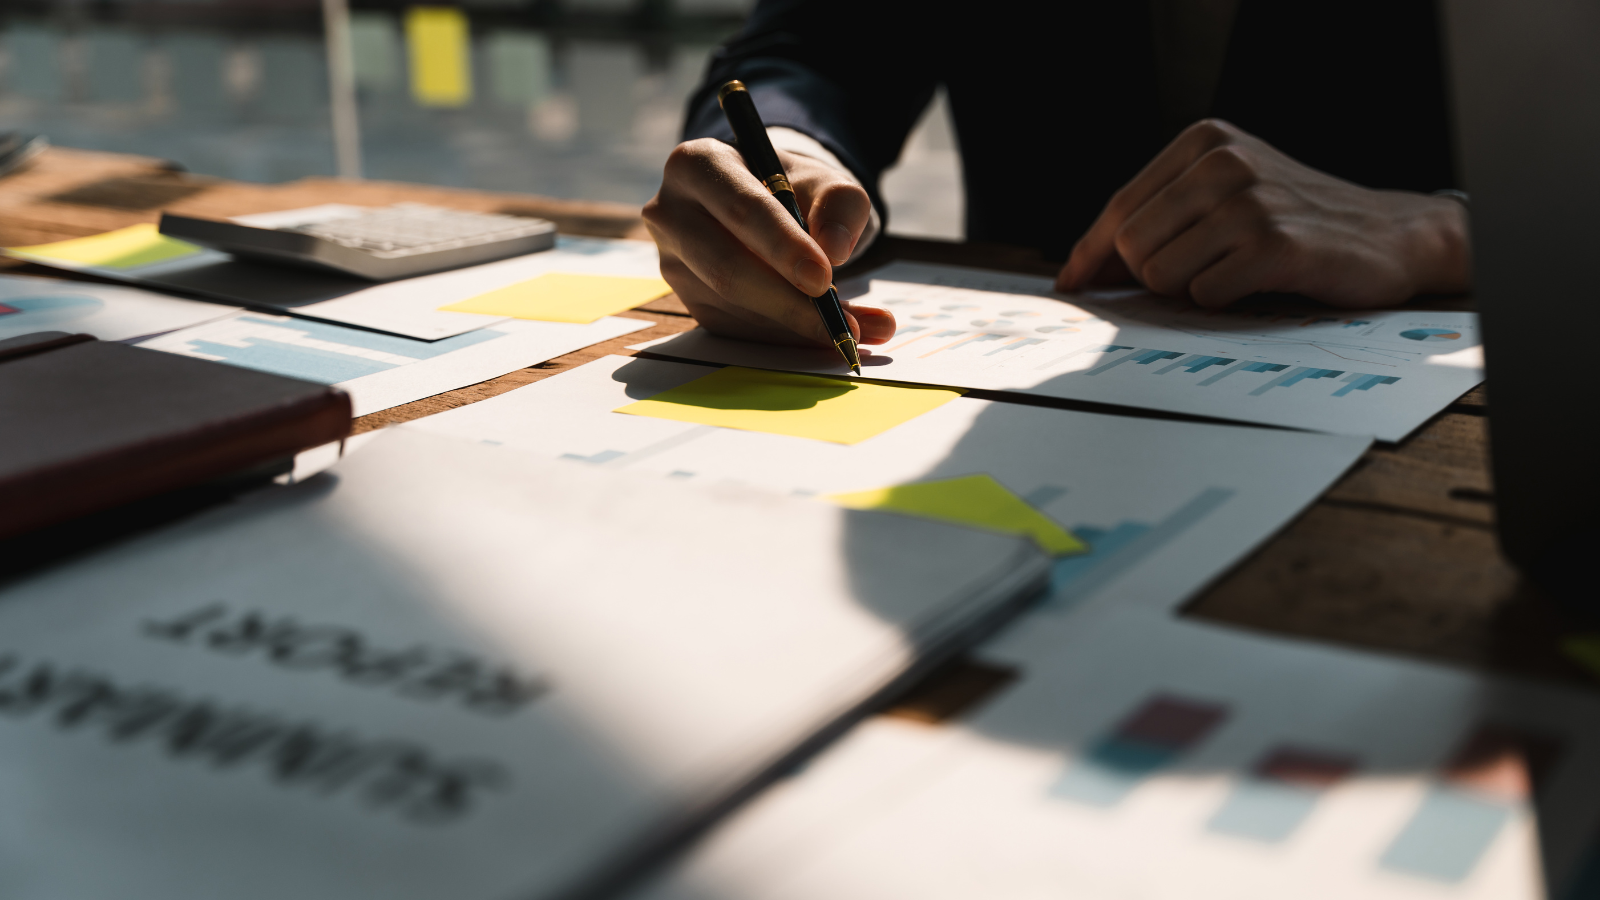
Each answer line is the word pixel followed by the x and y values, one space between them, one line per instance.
pixel 776 183
pixel 730 87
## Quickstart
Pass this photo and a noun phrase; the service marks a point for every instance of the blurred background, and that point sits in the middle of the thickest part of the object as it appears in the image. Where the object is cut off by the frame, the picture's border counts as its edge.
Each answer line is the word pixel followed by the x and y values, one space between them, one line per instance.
pixel 579 99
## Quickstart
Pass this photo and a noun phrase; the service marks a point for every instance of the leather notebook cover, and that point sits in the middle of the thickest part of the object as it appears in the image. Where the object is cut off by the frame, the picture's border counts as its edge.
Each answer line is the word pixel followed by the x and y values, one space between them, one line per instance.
pixel 86 425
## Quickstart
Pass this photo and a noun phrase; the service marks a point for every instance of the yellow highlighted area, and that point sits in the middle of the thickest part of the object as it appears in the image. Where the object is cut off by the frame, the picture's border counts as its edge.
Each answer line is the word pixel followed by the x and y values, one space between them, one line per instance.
pixel 560 297
pixel 1584 649
pixel 438 42
pixel 975 500
pixel 823 409
pixel 125 248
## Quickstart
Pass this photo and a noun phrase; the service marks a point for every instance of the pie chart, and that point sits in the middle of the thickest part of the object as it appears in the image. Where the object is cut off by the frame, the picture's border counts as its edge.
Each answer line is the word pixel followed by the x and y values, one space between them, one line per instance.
pixel 1431 334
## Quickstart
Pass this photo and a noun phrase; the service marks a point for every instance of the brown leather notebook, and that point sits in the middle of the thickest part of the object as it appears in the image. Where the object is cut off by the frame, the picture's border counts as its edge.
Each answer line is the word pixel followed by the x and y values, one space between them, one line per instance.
pixel 86 425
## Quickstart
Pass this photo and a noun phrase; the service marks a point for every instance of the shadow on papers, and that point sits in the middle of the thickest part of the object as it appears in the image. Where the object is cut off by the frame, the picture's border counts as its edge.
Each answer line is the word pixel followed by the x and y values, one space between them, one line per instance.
pixel 1426 771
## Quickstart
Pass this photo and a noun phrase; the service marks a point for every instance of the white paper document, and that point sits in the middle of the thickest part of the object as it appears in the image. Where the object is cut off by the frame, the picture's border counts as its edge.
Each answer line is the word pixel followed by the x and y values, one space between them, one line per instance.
pixel 384 370
pixel 1378 372
pixel 449 670
pixel 1151 758
pixel 109 313
pixel 1165 506
pixel 408 307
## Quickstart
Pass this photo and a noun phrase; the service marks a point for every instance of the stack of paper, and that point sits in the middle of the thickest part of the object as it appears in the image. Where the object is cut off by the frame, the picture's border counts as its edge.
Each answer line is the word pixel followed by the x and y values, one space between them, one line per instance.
pixel 1161 507
pixel 448 670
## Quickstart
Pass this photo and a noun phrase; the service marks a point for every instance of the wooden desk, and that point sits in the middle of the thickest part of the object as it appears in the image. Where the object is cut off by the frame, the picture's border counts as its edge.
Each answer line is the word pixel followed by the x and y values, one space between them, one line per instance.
pixel 1398 556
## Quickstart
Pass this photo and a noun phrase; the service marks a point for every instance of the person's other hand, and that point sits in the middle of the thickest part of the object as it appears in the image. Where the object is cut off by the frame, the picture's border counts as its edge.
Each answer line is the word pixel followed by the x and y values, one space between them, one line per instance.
pixel 737 259
pixel 1220 214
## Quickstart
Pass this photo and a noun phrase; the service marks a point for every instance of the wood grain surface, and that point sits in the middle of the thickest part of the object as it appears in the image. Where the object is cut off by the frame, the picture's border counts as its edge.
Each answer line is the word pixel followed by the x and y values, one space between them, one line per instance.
pixel 1399 556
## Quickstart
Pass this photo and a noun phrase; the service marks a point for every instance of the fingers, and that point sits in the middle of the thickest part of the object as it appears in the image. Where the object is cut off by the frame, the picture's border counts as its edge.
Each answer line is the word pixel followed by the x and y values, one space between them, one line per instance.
pixel 1098 244
pixel 1216 177
pixel 1235 251
pixel 836 208
pixel 712 174
pixel 871 325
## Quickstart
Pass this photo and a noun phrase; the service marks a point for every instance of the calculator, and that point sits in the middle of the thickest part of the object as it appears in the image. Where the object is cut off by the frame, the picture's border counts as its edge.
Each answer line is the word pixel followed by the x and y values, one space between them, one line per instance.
pixel 378 244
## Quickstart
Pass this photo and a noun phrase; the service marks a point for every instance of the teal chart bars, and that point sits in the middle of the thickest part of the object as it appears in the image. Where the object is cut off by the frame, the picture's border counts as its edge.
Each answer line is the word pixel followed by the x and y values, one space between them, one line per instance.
pixel 1116 549
pixel 1152 738
pixel 1488 780
pixel 1280 792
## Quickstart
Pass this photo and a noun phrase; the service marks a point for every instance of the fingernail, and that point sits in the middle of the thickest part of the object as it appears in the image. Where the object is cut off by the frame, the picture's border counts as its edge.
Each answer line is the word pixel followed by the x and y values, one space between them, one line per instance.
pixel 835 240
pixel 810 277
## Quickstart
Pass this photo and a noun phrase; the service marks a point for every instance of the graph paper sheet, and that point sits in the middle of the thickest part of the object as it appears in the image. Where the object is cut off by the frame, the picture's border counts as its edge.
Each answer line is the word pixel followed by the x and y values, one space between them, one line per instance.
pixel 1148 757
pixel 1380 373
pixel 384 370
pixel 1164 506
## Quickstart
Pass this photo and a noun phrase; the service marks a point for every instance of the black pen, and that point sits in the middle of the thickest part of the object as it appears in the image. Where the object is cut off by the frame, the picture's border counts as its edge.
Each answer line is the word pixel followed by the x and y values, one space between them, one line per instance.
pixel 758 154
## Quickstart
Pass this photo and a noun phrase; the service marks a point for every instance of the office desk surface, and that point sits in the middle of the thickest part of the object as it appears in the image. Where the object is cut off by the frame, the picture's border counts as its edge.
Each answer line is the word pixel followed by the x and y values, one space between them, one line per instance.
pixel 1398 556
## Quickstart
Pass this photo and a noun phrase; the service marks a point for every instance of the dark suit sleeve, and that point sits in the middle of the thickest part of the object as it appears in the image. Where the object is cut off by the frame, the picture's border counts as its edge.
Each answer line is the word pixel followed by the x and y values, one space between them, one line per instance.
pixel 823 68
pixel 1355 88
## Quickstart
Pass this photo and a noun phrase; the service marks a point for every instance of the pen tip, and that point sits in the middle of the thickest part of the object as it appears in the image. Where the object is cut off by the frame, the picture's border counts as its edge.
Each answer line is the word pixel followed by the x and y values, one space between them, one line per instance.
pixel 846 343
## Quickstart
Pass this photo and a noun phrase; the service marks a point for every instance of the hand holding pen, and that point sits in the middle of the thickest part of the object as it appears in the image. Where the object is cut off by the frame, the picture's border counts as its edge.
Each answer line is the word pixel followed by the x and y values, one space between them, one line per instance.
pixel 739 259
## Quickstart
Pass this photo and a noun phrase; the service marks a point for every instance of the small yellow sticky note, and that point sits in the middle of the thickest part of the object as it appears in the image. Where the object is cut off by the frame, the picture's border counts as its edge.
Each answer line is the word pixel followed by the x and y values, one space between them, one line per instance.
pixel 125 248
pixel 976 500
pixel 1584 649
pixel 440 55
pixel 824 409
pixel 560 297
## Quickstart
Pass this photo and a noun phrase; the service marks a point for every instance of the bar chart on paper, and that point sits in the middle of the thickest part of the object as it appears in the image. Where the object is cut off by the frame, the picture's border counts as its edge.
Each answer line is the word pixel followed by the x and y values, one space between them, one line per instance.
pixel 1159 491
pixel 1380 373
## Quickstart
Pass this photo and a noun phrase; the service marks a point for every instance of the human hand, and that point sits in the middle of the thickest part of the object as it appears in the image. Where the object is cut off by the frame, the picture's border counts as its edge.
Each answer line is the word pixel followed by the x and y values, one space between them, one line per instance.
pixel 739 261
pixel 1220 214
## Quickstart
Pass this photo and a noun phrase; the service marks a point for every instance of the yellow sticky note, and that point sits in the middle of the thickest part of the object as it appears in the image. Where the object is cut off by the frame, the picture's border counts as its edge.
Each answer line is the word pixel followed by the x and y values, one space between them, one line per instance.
pixel 824 409
pixel 1584 649
pixel 976 500
pixel 560 297
pixel 125 248
pixel 438 42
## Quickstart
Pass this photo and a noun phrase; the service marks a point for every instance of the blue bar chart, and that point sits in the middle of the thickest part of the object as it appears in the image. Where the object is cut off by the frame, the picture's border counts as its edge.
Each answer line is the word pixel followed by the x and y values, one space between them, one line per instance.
pixel 1280 792
pixel 1483 786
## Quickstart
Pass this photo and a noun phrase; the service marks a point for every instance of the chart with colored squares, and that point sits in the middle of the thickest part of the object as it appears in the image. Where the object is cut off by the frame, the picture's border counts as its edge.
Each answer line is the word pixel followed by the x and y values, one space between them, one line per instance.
pixel 1136 756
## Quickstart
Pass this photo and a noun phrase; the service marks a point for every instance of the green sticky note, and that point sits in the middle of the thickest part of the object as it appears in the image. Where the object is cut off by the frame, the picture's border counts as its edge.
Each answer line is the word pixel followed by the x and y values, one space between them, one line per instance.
pixel 824 409
pixel 125 248
pixel 976 500
pixel 1584 649
pixel 562 297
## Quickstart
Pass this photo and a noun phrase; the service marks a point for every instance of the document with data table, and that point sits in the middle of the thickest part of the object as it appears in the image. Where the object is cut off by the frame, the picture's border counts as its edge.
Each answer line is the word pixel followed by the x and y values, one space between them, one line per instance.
pixel 1380 373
